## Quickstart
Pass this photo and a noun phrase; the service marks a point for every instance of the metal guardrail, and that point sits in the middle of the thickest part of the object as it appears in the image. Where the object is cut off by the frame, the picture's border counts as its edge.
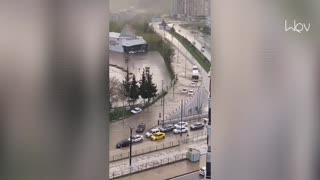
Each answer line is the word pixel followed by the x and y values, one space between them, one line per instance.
pixel 119 156
pixel 148 165
pixel 159 162
pixel 185 119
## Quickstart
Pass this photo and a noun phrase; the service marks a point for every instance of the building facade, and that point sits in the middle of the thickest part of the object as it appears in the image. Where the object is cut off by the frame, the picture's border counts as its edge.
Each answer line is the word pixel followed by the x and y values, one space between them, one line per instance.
pixel 127 42
pixel 191 8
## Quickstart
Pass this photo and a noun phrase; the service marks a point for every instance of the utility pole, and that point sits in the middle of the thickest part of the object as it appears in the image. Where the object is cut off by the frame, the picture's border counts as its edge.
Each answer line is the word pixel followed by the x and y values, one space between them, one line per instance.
pixel 185 67
pixel 173 89
pixel 163 112
pixel 208 157
pixel 130 146
pixel 181 116
pixel 162 92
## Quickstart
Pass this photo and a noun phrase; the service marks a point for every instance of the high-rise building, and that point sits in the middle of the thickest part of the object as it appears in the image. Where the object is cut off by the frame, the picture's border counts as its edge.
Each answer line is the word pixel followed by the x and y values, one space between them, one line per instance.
pixel 191 8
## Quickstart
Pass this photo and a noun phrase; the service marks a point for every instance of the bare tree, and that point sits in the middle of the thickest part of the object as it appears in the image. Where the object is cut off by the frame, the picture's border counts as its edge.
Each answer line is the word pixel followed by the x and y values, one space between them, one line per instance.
pixel 114 85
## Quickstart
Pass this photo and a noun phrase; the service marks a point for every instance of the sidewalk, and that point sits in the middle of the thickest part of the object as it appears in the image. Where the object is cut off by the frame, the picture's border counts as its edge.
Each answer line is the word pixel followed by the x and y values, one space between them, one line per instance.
pixel 168 171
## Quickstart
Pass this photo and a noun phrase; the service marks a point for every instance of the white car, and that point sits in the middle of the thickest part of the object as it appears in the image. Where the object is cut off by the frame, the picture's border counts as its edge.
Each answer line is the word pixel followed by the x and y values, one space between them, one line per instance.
pixel 181 124
pixel 136 110
pixel 202 171
pixel 136 138
pixel 182 129
pixel 205 120
pixel 193 84
pixel 152 132
pixel 190 92
pixel 184 90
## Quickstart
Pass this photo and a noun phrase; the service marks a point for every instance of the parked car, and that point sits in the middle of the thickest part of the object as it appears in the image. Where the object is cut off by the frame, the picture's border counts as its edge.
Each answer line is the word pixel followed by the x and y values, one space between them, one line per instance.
pixel 197 126
pixel 205 120
pixel 181 124
pixel 167 128
pixel 152 132
pixel 182 129
pixel 157 136
pixel 190 92
pixel 202 50
pixel 141 127
pixel 202 171
pixel 136 110
pixel 184 90
pixel 136 138
pixel 123 143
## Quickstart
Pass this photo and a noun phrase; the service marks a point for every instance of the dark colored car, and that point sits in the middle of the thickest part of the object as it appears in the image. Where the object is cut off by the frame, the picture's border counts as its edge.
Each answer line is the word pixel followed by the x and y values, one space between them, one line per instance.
pixel 141 127
pixel 196 126
pixel 167 128
pixel 123 143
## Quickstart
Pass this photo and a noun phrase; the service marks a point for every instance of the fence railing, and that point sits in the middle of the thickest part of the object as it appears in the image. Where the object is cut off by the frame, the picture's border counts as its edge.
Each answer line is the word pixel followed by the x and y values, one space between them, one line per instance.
pixel 146 166
pixel 185 119
pixel 136 152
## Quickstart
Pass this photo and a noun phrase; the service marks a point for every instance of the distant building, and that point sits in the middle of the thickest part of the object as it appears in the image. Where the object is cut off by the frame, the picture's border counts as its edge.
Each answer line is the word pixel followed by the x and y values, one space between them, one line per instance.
pixel 190 8
pixel 127 42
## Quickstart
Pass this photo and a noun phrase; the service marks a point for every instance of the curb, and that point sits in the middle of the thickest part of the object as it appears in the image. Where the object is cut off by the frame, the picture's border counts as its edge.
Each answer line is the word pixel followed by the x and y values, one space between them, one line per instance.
pixel 149 169
pixel 182 175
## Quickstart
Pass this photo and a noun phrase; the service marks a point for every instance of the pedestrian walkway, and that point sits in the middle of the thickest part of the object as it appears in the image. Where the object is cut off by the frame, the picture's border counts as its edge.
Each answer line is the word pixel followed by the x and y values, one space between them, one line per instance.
pixel 122 166
pixel 168 171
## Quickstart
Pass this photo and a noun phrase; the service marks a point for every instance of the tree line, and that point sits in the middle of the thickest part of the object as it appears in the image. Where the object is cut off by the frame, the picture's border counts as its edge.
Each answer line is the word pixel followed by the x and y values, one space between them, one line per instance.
pixel 144 88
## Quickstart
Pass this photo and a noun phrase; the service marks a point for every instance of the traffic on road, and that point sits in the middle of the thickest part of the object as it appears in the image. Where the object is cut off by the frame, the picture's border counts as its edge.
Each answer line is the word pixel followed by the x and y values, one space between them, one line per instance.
pixel 160 133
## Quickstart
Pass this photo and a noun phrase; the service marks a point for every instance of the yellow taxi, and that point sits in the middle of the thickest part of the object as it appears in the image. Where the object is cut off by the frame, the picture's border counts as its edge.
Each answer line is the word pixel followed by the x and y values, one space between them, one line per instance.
pixel 158 135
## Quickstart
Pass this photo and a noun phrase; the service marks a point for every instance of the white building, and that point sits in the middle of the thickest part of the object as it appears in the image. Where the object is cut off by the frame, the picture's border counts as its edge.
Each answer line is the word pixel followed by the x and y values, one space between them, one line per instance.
pixel 127 42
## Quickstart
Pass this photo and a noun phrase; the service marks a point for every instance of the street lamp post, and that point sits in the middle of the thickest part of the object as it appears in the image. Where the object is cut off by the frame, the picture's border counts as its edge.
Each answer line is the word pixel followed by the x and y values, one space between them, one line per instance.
pixel 181 117
pixel 208 157
pixel 130 154
pixel 162 105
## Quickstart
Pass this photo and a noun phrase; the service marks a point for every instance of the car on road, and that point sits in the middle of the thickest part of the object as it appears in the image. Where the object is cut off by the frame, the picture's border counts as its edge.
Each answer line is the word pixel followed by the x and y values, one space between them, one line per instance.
pixel 196 126
pixel 205 120
pixel 184 90
pixel 152 132
pixel 167 128
pixel 136 138
pixel 182 129
pixel 181 124
pixel 193 84
pixel 202 171
pixel 141 127
pixel 157 136
pixel 190 92
pixel 123 143
pixel 202 50
pixel 136 110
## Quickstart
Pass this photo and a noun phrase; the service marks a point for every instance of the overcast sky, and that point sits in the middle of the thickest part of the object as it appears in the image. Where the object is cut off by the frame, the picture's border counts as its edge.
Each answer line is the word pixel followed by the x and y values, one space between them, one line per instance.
pixel 148 5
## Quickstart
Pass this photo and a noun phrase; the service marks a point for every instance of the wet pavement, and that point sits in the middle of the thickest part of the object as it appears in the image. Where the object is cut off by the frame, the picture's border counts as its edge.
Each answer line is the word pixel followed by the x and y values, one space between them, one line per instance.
pixel 123 165
pixel 183 62
pixel 136 63
pixel 121 129
pixel 182 170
